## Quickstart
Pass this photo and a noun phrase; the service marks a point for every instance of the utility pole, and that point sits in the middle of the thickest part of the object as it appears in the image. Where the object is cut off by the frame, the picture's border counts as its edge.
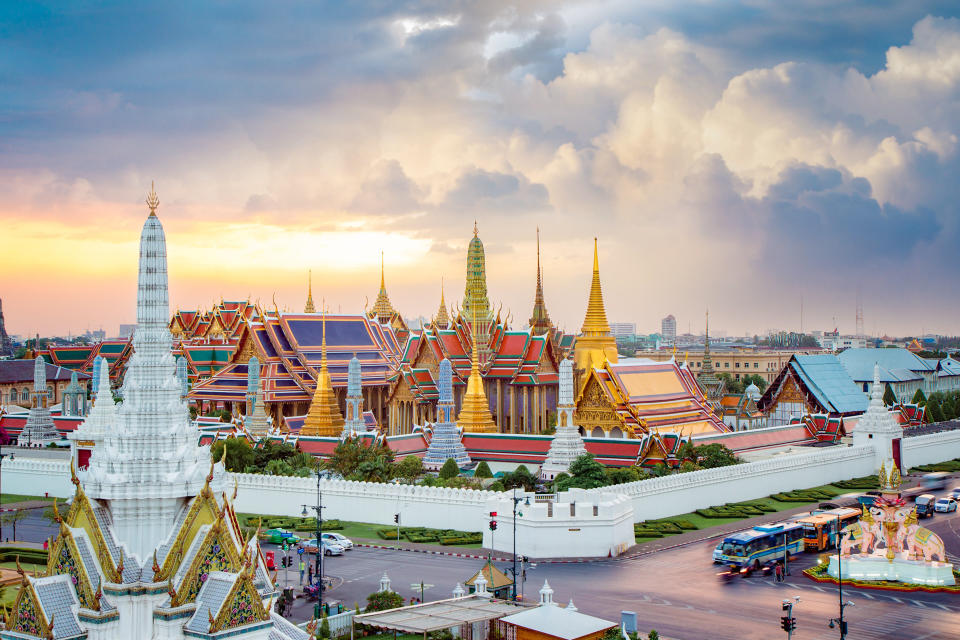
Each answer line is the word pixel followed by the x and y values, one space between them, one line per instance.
pixel 318 521
pixel 788 623
pixel 840 622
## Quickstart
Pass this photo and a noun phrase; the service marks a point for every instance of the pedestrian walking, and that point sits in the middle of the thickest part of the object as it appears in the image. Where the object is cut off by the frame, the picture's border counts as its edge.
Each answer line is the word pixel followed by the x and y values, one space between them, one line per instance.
pixel 303 568
pixel 779 572
pixel 310 574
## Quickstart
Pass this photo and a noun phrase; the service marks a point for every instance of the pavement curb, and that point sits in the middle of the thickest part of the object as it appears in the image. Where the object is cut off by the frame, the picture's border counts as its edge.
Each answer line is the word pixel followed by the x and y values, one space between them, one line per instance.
pixel 483 557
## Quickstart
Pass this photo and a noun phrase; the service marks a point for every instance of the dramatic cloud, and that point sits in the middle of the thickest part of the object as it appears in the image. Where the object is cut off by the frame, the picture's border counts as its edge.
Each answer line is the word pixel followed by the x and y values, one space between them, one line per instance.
pixel 737 155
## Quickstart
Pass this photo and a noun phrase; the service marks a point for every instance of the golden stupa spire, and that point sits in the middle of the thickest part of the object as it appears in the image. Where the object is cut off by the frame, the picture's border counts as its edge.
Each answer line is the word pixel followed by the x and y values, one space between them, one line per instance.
pixel 309 308
pixel 323 418
pixel 596 345
pixel 152 200
pixel 442 319
pixel 475 414
pixel 382 309
pixel 595 322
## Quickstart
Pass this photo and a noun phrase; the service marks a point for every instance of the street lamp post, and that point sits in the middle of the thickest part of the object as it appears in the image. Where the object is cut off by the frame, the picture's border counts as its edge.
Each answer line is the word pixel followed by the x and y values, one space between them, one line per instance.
pixel 840 622
pixel 318 520
pixel 516 501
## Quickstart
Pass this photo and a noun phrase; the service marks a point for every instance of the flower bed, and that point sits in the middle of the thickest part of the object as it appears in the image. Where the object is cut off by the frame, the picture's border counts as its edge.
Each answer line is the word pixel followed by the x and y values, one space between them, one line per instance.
pixel 819 573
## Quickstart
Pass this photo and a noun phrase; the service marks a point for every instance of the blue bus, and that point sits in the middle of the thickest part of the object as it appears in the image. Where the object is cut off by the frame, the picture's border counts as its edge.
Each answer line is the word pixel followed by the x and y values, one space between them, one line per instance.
pixel 762 544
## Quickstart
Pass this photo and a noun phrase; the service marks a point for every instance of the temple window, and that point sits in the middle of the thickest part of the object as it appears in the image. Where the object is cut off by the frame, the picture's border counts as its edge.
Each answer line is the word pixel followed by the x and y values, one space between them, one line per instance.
pixel 25 395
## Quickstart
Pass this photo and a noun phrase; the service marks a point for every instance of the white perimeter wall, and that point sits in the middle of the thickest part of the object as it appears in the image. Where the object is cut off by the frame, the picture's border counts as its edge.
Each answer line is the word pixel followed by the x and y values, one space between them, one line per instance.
pixel 537 534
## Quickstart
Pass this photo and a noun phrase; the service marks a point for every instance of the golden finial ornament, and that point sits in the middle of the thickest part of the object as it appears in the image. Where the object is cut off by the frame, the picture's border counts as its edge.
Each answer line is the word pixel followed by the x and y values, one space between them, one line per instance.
pixel 152 200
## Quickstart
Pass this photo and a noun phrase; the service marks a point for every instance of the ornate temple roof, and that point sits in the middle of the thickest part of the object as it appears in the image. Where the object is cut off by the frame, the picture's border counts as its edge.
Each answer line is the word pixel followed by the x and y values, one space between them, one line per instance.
pixel 288 347
pixel 323 417
pixel 442 319
pixel 382 310
pixel 475 414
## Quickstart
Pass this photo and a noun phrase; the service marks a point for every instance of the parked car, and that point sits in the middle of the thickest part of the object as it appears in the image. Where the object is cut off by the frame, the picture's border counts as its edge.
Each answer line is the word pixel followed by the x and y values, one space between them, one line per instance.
pixel 329 548
pixel 925 505
pixel 280 536
pixel 339 539
pixel 945 505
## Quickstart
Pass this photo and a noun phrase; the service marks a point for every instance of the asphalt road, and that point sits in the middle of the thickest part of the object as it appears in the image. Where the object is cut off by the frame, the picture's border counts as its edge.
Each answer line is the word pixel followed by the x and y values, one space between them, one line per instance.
pixel 675 591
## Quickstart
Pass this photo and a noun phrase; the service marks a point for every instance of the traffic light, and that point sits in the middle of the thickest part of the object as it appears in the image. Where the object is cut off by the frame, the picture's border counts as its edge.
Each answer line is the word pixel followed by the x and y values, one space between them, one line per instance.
pixel 785 623
pixel 396 518
pixel 793 624
pixel 493 521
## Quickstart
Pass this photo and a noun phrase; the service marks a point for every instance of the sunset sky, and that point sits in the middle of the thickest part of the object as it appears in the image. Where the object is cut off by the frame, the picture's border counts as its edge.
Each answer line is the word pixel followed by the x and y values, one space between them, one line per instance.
pixel 732 155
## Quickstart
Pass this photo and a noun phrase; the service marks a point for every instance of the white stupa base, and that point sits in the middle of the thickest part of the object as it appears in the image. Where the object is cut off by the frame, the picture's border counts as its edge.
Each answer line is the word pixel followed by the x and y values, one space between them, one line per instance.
pixel 900 569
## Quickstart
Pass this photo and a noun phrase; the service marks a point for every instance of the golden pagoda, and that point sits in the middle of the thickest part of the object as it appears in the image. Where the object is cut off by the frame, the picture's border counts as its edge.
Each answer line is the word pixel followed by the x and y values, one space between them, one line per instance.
pixel 382 309
pixel 595 345
pixel 540 319
pixel 323 418
pixel 475 414
pixel 476 304
pixel 309 308
pixel 442 319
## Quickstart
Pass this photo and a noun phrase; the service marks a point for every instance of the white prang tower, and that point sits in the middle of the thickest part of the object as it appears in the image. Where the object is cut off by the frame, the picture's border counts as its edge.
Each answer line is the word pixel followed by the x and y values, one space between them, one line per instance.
pixel 39 429
pixel 567 445
pixel 877 427
pixel 354 424
pixel 149 464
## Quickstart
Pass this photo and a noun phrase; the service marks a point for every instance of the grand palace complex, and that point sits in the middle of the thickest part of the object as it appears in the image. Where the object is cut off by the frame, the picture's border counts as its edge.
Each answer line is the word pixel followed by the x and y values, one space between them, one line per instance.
pixel 310 378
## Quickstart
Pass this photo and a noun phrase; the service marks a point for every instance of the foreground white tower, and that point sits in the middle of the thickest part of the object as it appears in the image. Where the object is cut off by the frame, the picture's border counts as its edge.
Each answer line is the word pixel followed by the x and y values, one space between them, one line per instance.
pixel 447 442
pixel 102 418
pixel 149 464
pixel 567 445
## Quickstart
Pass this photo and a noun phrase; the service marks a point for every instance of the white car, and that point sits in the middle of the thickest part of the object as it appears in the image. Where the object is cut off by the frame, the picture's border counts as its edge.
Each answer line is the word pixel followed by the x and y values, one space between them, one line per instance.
pixel 330 548
pixel 945 505
pixel 336 538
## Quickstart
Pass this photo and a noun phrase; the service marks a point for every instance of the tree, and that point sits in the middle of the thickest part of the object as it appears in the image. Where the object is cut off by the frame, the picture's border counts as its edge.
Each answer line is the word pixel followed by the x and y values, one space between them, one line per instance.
pixel 731 384
pixel 383 600
pixel 239 453
pixel 482 470
pixel 585 473
pixel 348 459
pixel 12 518
pixel 449 469
pixel 754 378
pixel 620 475
pixel 409 468
pixel 934 412
pixel 889 397
pixel 521 478
pixel 324 628
pixel 709 456
pixel 919 398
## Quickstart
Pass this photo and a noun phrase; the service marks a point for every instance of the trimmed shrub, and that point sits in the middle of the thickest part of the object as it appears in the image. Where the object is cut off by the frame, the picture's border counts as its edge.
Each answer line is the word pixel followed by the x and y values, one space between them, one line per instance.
pixel 387 534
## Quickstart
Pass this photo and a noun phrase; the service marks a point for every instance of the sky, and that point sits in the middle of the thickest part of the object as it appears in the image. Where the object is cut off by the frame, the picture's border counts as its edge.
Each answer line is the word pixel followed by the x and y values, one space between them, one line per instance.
pixel 751 157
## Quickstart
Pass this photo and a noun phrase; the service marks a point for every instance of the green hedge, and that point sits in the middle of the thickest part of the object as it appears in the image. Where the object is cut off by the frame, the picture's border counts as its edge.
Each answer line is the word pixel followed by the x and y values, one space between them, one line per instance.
pixel 387 534
pixel 803 495
pixel 866 482
pixel 732 511
pixel 470 538
pixel 292 524
pixel 950 466
pixel 26 554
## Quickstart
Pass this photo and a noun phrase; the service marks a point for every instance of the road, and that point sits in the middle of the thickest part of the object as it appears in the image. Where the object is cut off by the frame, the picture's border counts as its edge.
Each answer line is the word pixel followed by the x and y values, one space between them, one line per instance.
pixel 675 591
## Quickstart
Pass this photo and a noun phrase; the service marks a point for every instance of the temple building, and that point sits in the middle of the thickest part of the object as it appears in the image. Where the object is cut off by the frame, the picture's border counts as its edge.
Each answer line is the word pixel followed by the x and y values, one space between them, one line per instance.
pixel 518 374
pixel 151 546
pixel 475 409
pixel 708 380
pixel 6 344
pixel 595 345
pixel 442 319
pixel 384 313
pixel 446 442
pixel 567 444
pixel 81 357
pixel 539 320
pixel 288 351
pixel 323 418
pixel 812 384
pixel 39 430
pixel 17 379
pixel 208 340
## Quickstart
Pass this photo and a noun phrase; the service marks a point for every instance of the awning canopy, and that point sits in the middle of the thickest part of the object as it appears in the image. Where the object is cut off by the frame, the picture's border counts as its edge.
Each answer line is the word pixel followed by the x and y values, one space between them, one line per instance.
pixel 442 614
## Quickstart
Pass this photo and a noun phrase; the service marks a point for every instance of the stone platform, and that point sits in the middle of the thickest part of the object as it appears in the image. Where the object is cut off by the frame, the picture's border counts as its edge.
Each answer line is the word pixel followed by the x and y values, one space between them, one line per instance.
pixel 877 567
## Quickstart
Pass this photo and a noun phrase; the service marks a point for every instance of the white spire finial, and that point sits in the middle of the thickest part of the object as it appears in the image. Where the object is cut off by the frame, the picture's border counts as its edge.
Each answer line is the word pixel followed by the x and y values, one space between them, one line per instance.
pixel 546 595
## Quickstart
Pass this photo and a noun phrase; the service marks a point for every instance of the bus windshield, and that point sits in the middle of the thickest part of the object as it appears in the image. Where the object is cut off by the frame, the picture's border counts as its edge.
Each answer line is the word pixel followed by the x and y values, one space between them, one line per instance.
pixel 733 549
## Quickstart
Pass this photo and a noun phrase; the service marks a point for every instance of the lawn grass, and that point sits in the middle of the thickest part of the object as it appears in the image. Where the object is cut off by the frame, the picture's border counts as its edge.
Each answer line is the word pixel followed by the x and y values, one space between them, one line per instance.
pixel 7 498
pixel 705 523
pixel 359 531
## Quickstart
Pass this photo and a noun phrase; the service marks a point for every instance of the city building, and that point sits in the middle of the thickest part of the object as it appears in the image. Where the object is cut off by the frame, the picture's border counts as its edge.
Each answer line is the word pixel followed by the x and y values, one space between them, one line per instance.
pixel 833 341
pixel 737 361
pixel 17 379
pixel 904 371
pixel 623 329
pixel 551 622
pixel 126 331
pixel 668 330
